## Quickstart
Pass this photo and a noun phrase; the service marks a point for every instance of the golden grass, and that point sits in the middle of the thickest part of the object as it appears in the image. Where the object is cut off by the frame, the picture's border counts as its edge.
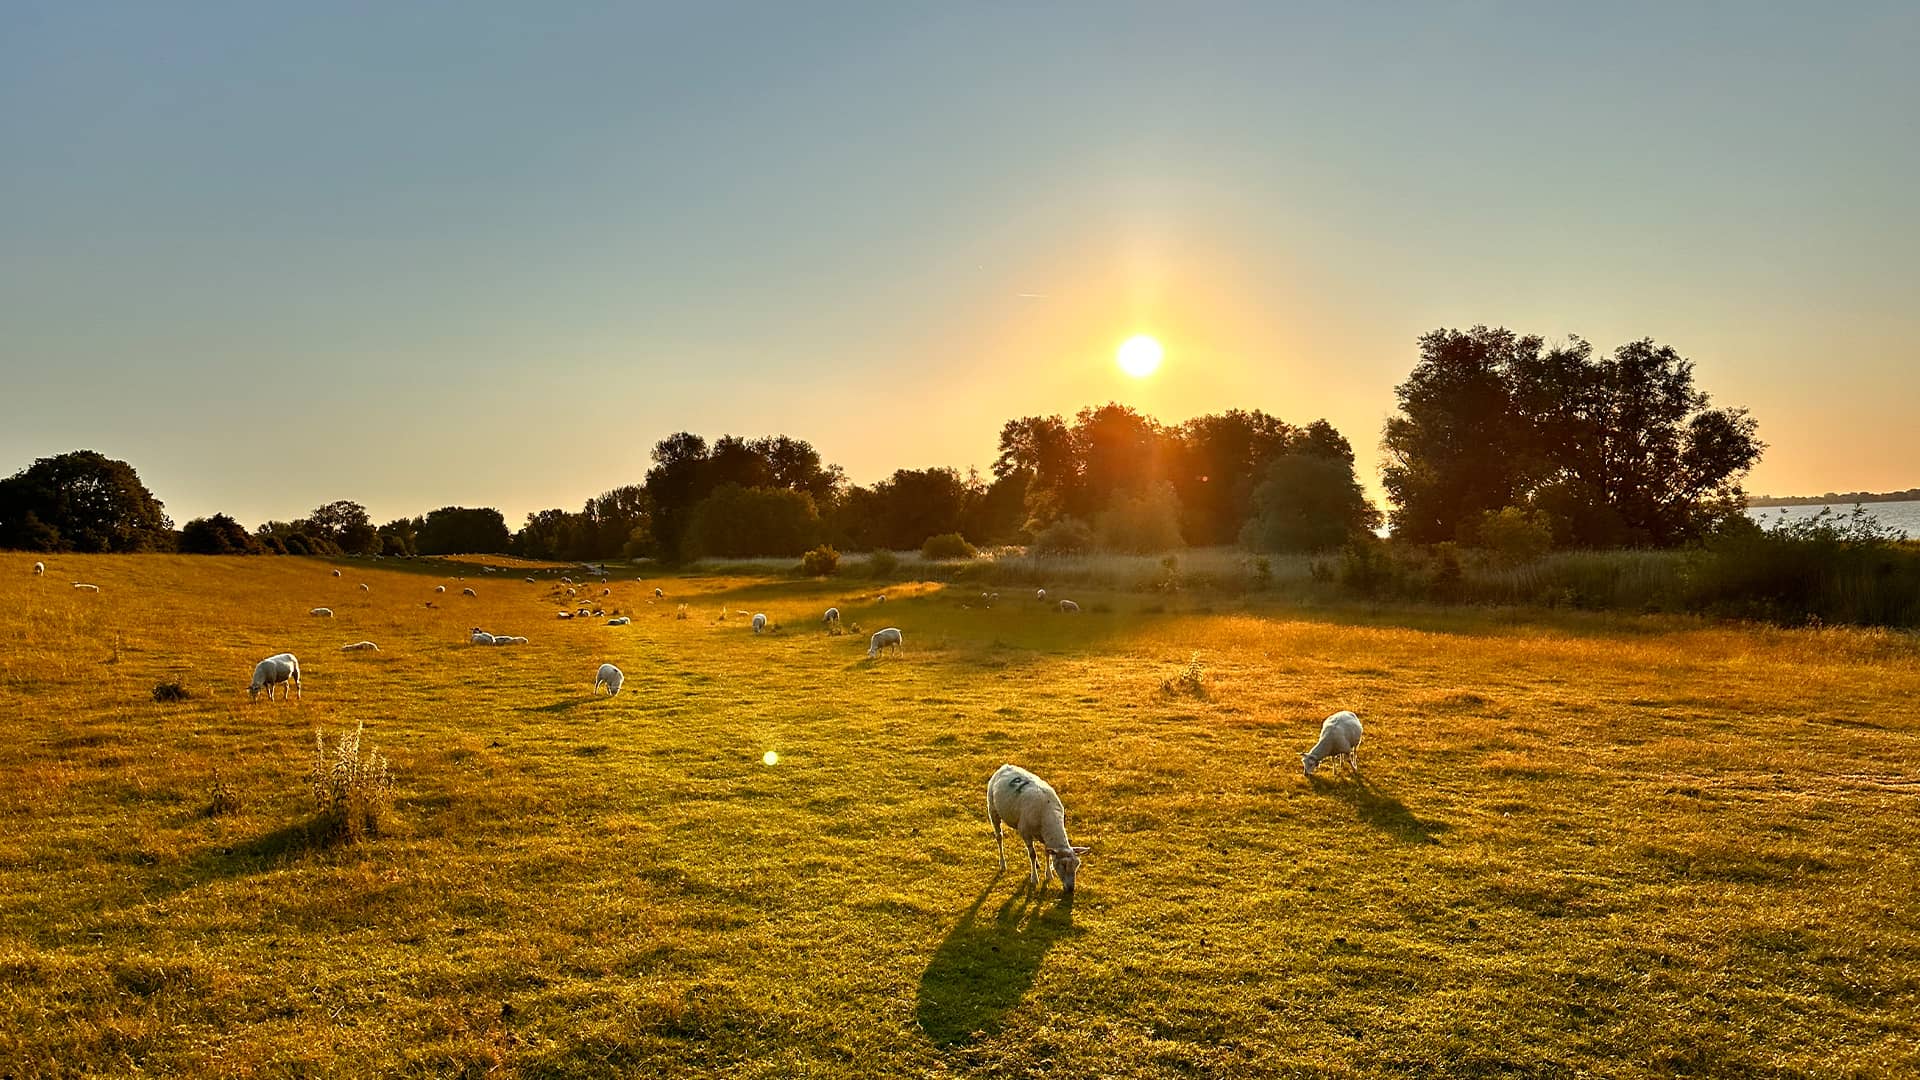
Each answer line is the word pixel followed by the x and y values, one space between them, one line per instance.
pixel 1582 845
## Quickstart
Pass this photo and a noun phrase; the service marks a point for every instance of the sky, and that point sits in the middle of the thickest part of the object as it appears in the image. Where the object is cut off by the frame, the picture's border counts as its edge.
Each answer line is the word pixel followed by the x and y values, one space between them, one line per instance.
pixel 487 254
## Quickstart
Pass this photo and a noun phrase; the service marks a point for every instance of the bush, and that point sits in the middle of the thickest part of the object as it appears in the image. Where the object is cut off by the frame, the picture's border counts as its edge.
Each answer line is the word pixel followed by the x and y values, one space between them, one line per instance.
pixel 217 535
pixel 171 690
pixel 352 795
pixel 1834 568
pixel 1142 524
pixel 820 562
pixel 1307 502
pixel 1514 535
pixel 947 546
pixel 882 563
pixel 1066 536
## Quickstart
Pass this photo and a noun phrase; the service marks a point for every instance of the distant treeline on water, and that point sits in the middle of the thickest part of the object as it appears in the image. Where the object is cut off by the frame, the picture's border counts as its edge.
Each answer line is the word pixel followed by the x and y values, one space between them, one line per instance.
pixel 1844 498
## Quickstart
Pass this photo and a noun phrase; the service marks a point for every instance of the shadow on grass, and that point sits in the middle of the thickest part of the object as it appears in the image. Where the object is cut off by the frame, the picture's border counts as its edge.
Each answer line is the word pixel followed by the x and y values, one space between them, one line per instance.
pixel 560 706
pixel 1380 809
pixel 984 968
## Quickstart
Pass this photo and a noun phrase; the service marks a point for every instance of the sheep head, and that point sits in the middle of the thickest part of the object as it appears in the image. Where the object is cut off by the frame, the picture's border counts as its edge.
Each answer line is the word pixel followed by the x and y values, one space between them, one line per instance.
pixel 1066 863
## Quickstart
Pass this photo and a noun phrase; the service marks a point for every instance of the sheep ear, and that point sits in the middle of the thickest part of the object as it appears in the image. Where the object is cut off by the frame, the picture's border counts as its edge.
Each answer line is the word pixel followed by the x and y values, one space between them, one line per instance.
pixel 1082 850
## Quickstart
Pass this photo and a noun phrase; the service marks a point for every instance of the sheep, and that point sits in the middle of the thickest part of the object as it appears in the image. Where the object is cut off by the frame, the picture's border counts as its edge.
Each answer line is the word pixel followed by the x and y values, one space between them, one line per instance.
pixel 610 677
pixel 563 614
pixel 530 581
pixel 658 593
pixel 606 592
pixel 360 646
pixel 759 622
pixel 504 639
pixel 1032 808
pixel 479 637
pixel 321 612
pixel 84 587
pixel 832 616
pixel 276 670
pixel 1339 738
pixel 881 599
pixel 1068 607
pixel 619 620
pixel 336 573
pixel 1040 595
pixel 569 592
pixel 39 569
pixel 883 638
pixel 439 588
pixel 364 587
pixel 469 592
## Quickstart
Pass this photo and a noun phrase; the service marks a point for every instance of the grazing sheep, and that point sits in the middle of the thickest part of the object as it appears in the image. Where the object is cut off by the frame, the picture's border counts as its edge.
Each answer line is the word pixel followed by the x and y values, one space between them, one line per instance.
pixel 563 614
pixel 336 573
pixel 1068 607
pixel 530 581
pixel 881 599
pixel 658 593
pixel 39 569
pixel 569 592
pixel 1032 808
pixel 84 587
pixel 439 588
pixel 606 592
pixel 832 615
pixel 759 622
pixel 360 646
pixel 479 636
pixel 610 677
pixel 619 620
pixel 364 587
pixel 883 638
pixel 468 592
pixel 1040 595
pixel 321 612
pixel 1339 739
pixel 279 669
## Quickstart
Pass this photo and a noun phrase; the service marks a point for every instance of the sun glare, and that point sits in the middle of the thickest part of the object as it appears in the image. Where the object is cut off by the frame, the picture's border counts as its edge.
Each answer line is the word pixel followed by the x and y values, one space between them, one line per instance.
pixel 1140 356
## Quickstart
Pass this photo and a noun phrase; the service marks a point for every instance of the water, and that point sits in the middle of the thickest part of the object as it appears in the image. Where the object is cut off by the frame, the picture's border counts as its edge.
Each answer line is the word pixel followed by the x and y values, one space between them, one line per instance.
pixel 1898 516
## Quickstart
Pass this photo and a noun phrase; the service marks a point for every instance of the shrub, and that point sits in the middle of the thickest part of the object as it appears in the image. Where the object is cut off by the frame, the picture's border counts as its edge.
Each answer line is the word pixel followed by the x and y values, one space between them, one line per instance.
pixel 882 563
pixel 947 546
pixel 1366 567
pixel 1514 534
pixel 1143 523
pixel 352 795
pixel 221 798
pixel 820 562
pixel 1192 680
pixel 1836 568
pixel 171 690
pixel 1066 536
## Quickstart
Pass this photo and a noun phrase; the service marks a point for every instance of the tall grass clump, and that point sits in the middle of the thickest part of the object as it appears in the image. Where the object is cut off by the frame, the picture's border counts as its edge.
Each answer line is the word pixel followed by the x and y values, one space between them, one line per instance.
pixel 820 562
pixel 352 795
pixel 947 546
pixel 1844 568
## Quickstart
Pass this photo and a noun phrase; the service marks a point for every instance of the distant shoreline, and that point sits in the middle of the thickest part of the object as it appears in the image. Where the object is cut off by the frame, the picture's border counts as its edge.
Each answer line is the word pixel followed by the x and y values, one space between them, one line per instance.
pixel 1909 495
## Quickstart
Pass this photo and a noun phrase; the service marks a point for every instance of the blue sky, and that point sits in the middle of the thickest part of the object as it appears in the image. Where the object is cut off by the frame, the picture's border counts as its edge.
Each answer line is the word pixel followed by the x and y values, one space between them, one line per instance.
pixel 489 254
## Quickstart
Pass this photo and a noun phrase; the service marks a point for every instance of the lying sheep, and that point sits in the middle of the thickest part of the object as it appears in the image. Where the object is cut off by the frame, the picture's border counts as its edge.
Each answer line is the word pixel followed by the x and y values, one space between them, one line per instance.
pixel 883 638
pixel 881 599
pixel 759 622
pixel 280 669
pixel 39 569
pixel 1033 809
pixel 84 587
pixel 439 588
pixel 530 581
pixel 619 620
pixel 321 612
pixel 364 587
pixel 336 573
pixel 610 677
pixel 360 646
pixel 468 592
pixel 832 616
pixel 1339 738
pixel 1068 607
pixel 505 639
pixel 563 614
pixel 657 593
pixel 479 637
pixel 606 592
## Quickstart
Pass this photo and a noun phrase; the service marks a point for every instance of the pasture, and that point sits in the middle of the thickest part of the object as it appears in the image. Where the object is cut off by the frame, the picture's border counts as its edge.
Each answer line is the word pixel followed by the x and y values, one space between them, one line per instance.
pixel 1581 845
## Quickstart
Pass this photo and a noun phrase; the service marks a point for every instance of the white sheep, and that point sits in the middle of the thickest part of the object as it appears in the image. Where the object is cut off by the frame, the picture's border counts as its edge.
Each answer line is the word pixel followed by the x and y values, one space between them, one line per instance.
pixel 84 587
pixel 279 669
pixel 39 569
pixel 1033 809
pixel 336 573
pixel 360 646
pixel 569 592
pixel 563 614
pixel 658 593
pixel 1040 595
pixel 1339 738
pixel 505 639
pixel 759 622
pixel 530 581
pixel 832 615
pixel 321 612
pixel 468 592
pixel 479 637
pixel 610 677
pixel 364 587
pixel 439 588
pixel 606 592
pixel 883 638
pixel 1068 607
pixel 619 620
pixel 881 599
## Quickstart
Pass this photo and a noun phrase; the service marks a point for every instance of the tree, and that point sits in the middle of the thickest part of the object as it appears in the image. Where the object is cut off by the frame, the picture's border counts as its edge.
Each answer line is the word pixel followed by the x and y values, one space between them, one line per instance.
pixel 1616 450
pixel 81 501
pixel 343 524
pixel 1142 522
pixel 462 530
pixel 1307 502
pixel 217 535
pixel 401 536
pixel 737 522
pixel 914 504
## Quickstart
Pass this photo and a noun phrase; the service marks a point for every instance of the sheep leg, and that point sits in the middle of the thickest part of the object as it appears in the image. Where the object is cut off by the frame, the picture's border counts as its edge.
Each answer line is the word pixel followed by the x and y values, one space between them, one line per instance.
pixel 1033 866
pixel 999 843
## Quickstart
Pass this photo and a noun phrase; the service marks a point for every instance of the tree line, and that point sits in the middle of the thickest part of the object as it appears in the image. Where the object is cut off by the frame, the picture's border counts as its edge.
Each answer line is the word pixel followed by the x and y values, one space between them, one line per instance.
pixel 1495 432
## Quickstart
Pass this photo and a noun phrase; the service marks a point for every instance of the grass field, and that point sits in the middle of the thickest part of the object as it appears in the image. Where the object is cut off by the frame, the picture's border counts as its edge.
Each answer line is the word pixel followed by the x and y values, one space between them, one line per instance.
pixel 1583 845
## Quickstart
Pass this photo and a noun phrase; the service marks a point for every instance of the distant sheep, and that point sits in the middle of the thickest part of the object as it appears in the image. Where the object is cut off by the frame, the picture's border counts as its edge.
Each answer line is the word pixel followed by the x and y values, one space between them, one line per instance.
pixel 321 612
pixel 659 593
pixel 280 669
pixel 882 639
pixel 881 599
pixel 606 592
pixel 468 592
pixel 619 620
pixel 39 569
pixel 336 573
pixel 1068 607
pixel 360 646
pixel 364 587
pixel 439 588
pixel 569 592
pixel 479 637
pixel 832 616
pixel 609 677
pixel 84 587
pixel 1339 739
pixel 1033 809
pixel 1040 595
pixel 508 639
pixel 563 614
pixel 530 581
pixel 759 622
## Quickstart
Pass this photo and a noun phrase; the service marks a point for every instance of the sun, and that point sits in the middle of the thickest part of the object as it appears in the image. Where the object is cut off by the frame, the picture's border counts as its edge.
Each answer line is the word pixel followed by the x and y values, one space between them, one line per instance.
pixel 1139 356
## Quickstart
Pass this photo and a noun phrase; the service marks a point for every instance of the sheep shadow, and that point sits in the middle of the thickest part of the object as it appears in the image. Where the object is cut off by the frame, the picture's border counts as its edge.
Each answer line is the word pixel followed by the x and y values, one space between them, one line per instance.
pixel 1380 809
pixel 560 706
pixel 983 968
